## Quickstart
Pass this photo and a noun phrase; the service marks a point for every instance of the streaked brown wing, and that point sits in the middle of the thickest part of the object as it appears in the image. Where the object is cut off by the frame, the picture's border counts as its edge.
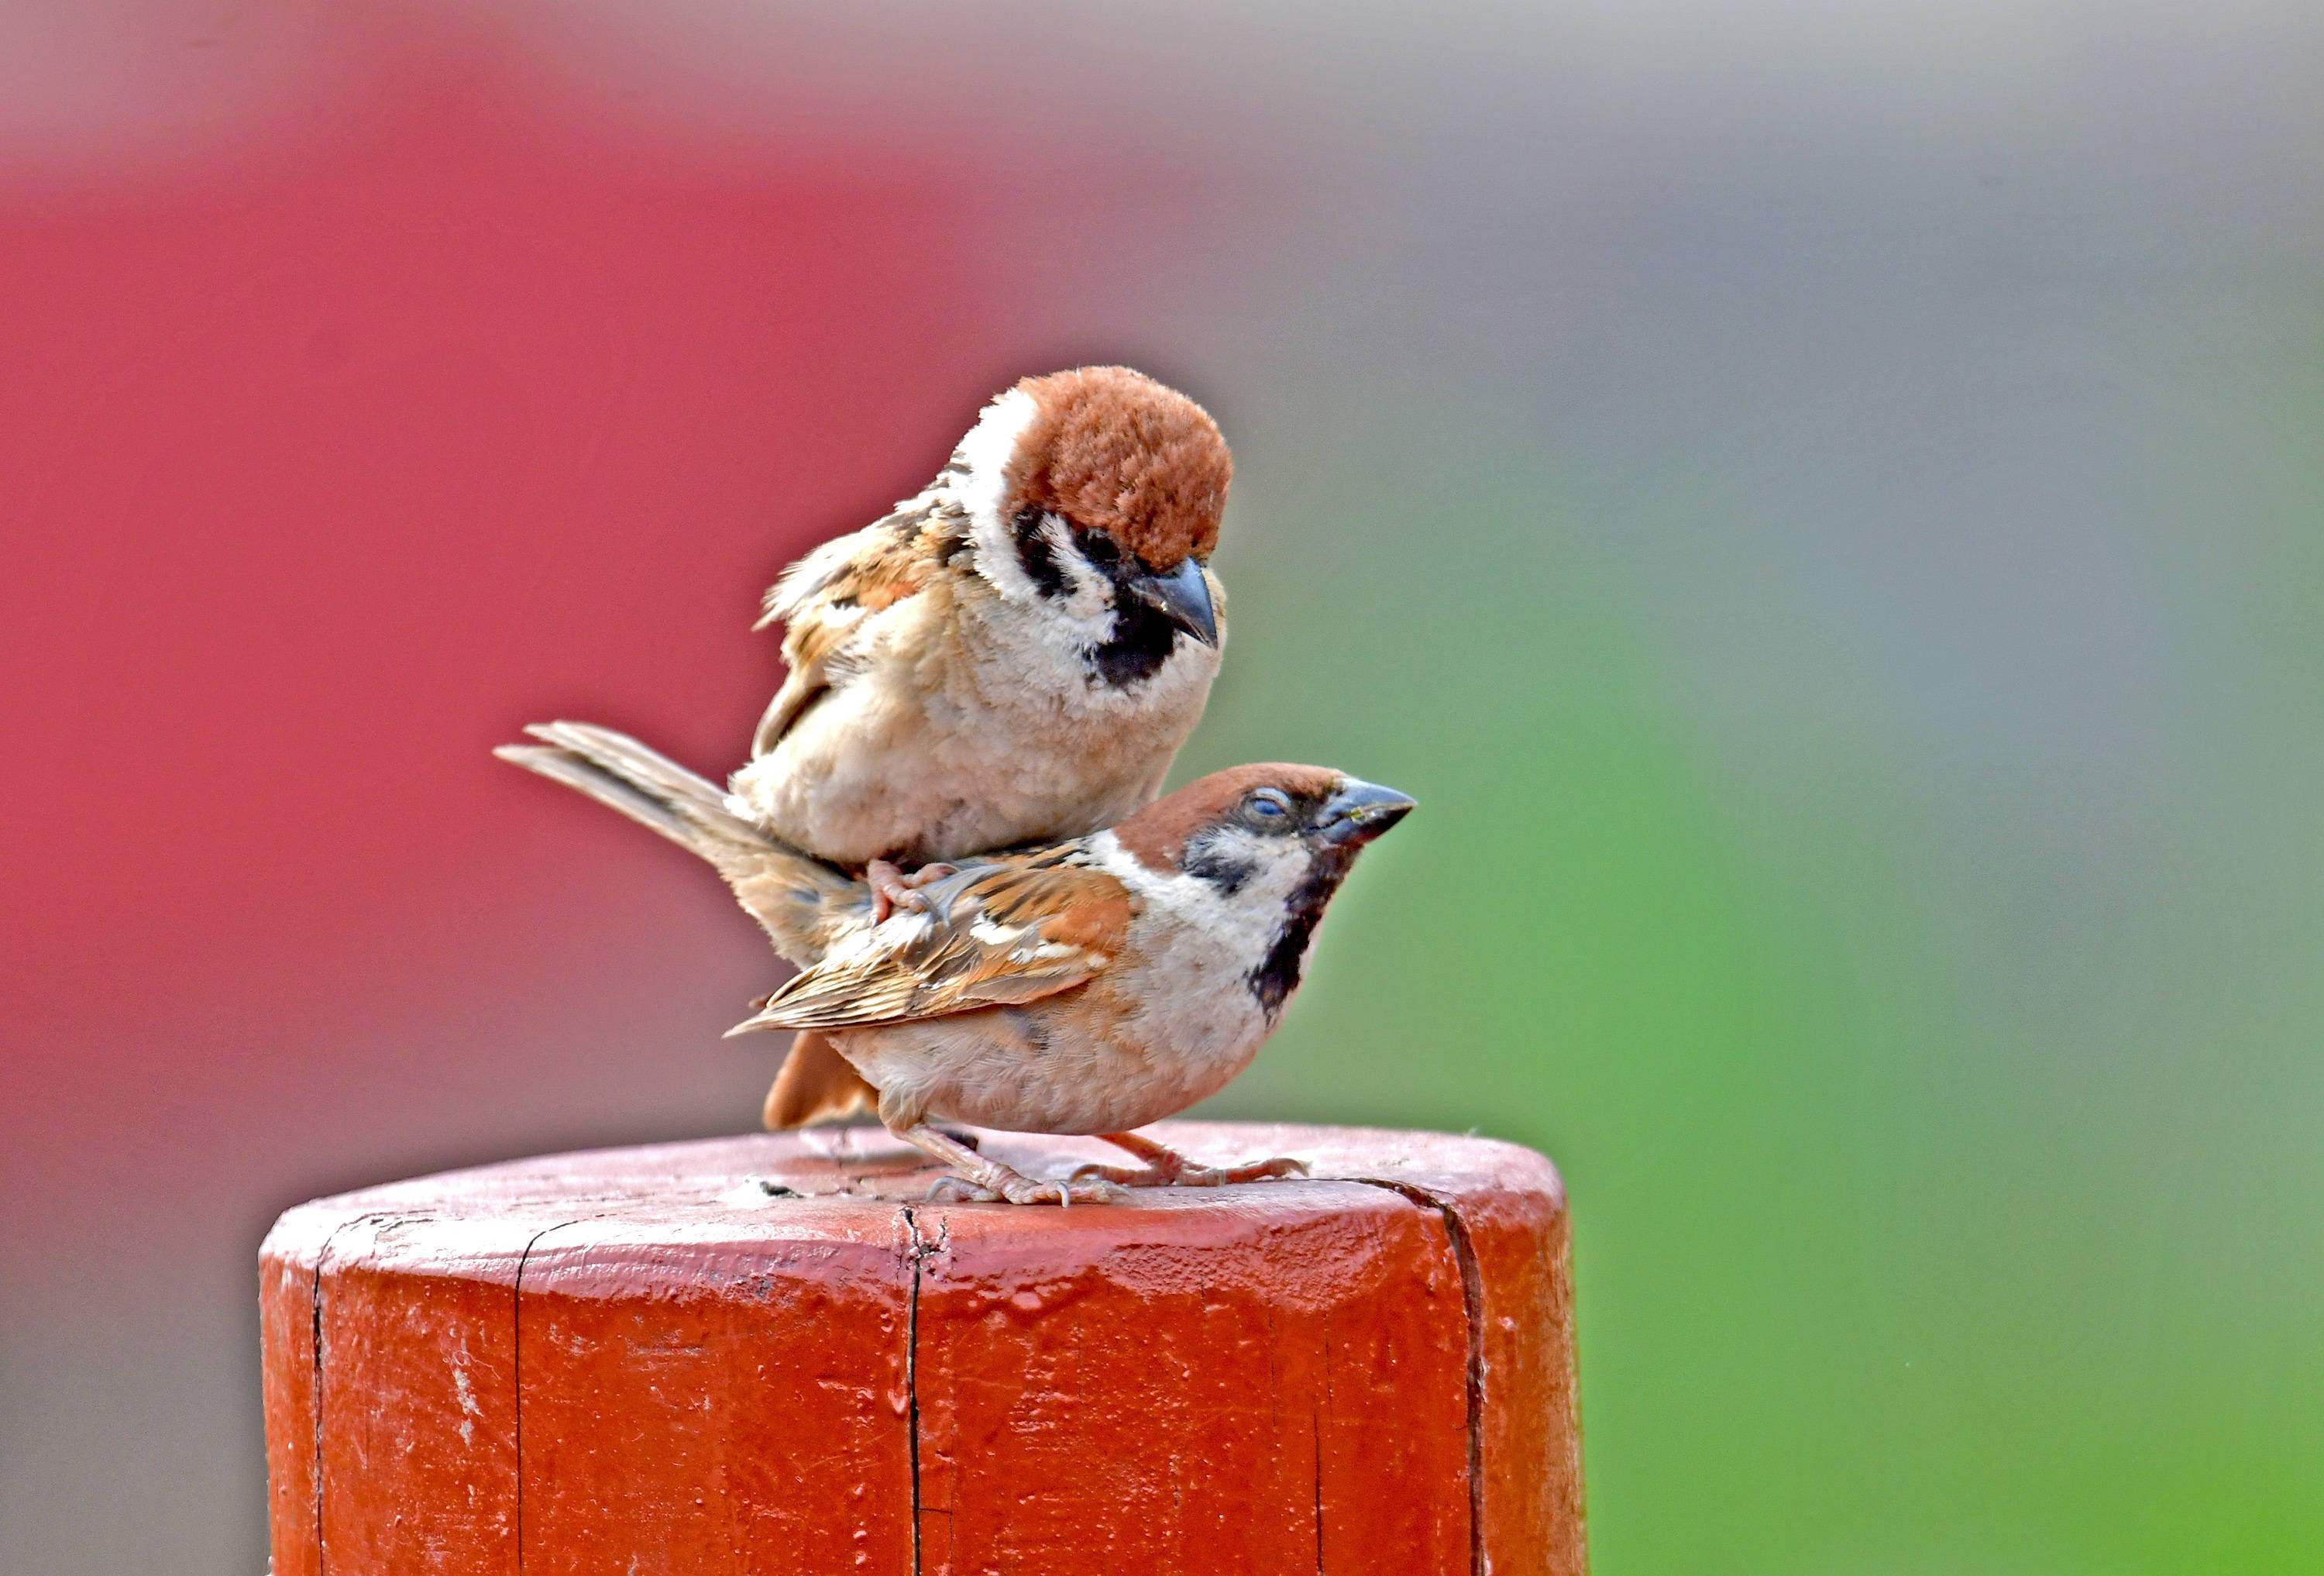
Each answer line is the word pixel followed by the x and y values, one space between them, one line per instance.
pixel 995 935
pixel 826 600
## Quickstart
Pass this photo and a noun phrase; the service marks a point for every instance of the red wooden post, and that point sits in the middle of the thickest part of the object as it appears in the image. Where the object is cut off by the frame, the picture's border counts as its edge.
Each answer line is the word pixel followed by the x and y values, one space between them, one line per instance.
pixel 769 1354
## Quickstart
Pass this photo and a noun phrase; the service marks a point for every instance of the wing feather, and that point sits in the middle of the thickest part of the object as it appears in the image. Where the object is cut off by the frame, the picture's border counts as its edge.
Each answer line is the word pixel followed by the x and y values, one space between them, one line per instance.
pixel 826 600
pixel 994 935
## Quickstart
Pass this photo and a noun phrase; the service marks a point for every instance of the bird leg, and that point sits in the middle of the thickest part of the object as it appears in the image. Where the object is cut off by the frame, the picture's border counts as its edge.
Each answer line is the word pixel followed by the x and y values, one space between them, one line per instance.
pixel 1165 1167
pixel 982 1180
pixel 892 889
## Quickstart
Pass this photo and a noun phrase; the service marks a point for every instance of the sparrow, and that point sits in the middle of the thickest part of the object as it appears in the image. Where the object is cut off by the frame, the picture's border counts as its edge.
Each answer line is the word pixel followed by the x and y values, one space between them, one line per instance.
pixel 1090 984
pixel 1015 655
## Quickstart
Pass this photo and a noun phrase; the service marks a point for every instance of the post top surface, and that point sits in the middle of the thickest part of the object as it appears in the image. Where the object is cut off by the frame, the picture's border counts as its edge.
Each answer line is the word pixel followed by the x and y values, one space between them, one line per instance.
pixel 847 1184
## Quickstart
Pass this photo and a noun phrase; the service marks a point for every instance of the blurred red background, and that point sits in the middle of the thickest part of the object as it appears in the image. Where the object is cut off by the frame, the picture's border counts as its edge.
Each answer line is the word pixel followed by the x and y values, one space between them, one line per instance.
pixel 450 414
pixel 366 398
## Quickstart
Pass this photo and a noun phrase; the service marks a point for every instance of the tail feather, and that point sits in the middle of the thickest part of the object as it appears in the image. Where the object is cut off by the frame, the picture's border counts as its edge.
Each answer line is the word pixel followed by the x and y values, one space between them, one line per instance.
pixel 644 784
pixel 798 899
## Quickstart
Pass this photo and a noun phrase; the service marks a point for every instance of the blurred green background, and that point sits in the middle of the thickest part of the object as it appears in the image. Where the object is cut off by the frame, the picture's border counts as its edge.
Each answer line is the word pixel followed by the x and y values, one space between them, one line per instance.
pixel 1945 1161
pixel 1823 505
pixel 1875 849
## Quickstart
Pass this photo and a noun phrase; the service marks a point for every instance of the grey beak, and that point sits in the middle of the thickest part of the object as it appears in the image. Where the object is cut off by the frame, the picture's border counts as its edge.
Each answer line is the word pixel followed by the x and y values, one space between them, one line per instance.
pixel 1181 597
pixel 1359 812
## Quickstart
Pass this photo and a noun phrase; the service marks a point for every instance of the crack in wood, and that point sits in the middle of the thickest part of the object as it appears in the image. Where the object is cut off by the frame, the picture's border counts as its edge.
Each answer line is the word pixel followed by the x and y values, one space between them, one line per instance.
pixel 912 1375
pixel 1315 1419
pixel 322 1258
pixel 1472 1305
pixel 516 1372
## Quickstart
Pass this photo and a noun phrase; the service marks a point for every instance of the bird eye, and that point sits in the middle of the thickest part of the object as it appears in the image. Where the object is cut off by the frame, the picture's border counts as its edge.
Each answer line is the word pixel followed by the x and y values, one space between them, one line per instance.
pixel 1267 807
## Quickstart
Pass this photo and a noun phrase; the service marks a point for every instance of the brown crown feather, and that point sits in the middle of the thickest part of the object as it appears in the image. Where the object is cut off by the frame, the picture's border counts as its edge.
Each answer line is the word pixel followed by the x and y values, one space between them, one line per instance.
pixel 1156 836
pixel 1113 450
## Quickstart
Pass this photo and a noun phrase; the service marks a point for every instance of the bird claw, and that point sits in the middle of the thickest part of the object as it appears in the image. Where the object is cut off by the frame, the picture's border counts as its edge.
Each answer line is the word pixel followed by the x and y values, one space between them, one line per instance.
pixel 1193 1175
pixel 892 889
pixel 1014 1189
pixel 1279 1165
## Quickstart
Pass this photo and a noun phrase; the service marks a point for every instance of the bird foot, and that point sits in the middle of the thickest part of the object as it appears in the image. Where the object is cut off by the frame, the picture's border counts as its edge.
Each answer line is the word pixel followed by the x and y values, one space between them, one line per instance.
pixel 1187 1174
pixel 892 889
pixel 1015 1188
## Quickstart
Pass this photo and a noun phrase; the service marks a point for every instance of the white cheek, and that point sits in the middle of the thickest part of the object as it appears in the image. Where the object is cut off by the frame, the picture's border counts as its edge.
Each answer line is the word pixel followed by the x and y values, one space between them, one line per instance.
pixel 1088 602
pixel 1067 626
pixel 1233 931
pixel 1254 913
pixel 984 454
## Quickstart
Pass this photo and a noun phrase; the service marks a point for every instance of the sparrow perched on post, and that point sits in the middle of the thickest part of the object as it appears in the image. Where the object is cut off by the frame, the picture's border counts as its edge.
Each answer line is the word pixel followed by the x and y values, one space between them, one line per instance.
pixel 1092 985
pixel 1014 656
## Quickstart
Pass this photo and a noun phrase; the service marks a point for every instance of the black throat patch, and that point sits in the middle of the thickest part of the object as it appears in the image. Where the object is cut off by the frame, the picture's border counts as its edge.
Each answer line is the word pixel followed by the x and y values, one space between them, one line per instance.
pixel 1143 640
pixel 1143 637
pixel 1278 975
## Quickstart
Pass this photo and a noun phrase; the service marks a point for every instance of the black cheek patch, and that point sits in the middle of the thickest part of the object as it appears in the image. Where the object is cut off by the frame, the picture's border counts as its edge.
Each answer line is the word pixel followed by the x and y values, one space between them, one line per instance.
pixel 1211 863
pixel 1037 555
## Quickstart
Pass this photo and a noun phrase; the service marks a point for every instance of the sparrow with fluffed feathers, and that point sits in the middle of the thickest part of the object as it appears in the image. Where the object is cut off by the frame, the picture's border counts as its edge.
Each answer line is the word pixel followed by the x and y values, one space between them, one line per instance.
pixel 1090 985
pixel 1014 655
